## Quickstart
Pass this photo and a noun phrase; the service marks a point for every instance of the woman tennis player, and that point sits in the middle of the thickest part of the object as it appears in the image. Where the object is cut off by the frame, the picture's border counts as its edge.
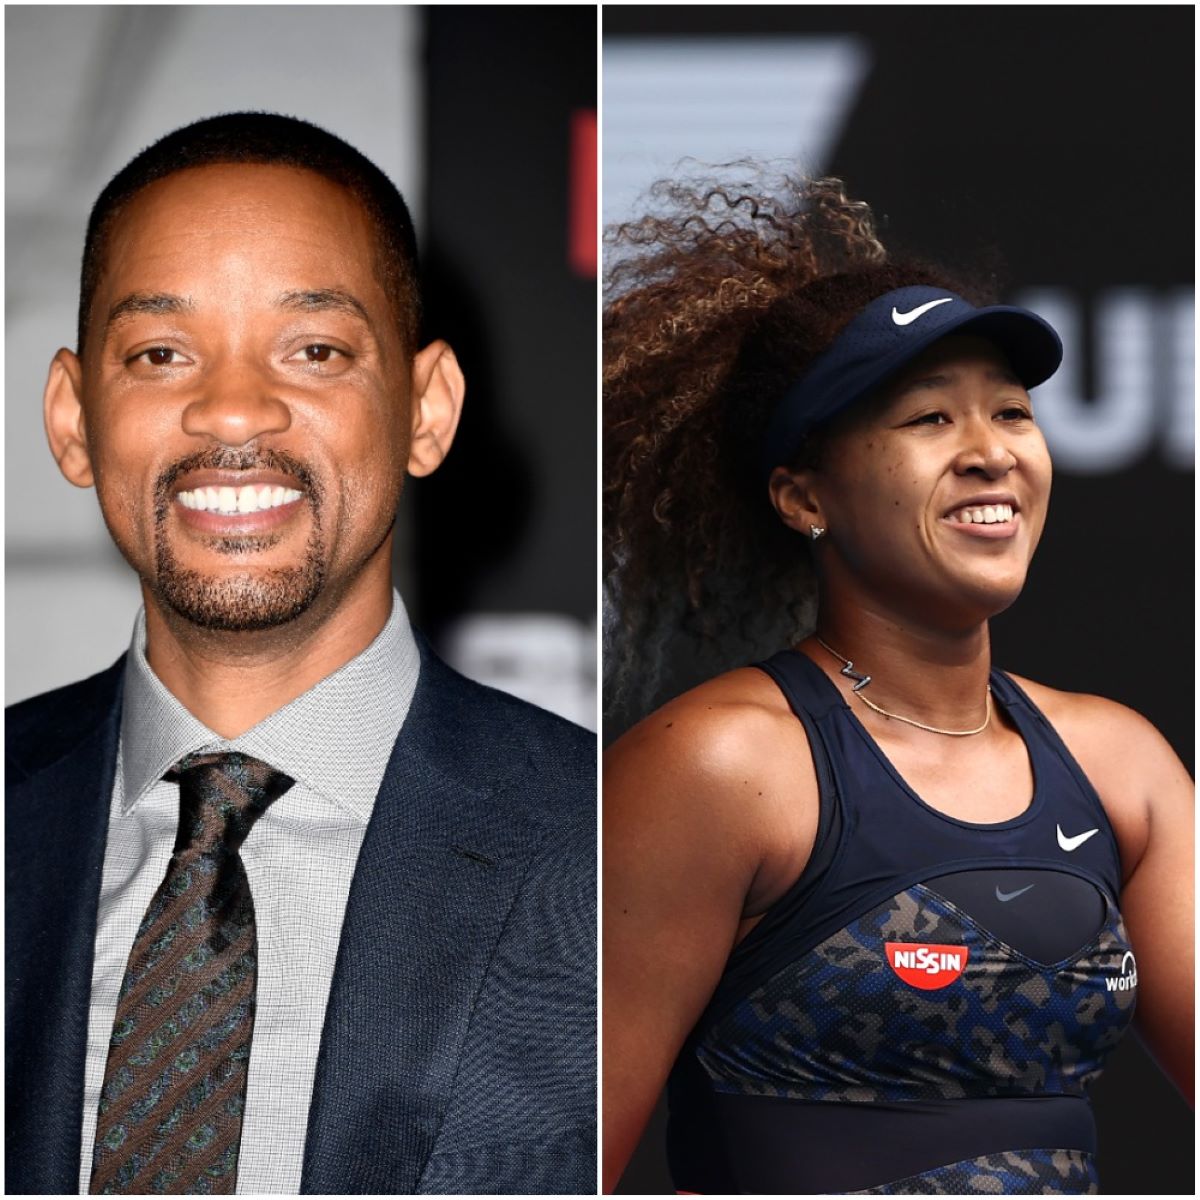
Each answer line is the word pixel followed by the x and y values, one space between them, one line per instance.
pixel 875 910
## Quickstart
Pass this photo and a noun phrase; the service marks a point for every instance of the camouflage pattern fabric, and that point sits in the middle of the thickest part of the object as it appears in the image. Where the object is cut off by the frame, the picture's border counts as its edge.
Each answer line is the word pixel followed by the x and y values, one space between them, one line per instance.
pixel 1015 1173
pixel 839 1024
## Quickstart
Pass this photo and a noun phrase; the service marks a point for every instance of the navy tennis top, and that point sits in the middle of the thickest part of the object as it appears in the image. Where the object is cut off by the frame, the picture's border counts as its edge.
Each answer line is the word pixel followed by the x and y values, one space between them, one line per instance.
pixel 925 1009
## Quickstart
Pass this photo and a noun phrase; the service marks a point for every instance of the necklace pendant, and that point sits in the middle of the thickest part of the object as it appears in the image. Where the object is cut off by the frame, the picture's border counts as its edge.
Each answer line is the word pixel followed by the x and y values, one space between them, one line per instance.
pixel 850 673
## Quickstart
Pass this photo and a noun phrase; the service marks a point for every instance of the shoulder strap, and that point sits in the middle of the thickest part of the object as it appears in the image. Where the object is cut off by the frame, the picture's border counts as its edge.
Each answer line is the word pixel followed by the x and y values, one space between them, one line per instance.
pixel 1047 740
pixel 793 672
pixel 810 701
pixel 806 686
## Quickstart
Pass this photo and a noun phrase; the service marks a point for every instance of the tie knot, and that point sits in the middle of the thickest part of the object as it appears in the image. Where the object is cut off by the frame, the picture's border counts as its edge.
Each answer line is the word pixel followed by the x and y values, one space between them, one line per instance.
pixel 220 798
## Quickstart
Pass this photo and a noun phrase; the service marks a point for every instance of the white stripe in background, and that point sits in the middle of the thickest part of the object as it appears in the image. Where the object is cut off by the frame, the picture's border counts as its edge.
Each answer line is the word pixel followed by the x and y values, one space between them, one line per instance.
pixel 718 99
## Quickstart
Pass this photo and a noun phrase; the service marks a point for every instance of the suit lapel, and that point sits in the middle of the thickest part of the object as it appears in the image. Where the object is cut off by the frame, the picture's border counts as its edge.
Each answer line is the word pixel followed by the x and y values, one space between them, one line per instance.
pixel 56 827
pixel 438 872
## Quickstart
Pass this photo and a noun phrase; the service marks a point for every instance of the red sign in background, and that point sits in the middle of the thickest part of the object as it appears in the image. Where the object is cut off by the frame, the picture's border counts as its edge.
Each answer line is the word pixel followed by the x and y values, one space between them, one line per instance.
pixel 583 231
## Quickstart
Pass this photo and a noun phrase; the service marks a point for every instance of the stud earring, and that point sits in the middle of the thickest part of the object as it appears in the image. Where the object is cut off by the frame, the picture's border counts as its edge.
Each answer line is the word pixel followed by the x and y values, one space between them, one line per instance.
pixel 816 531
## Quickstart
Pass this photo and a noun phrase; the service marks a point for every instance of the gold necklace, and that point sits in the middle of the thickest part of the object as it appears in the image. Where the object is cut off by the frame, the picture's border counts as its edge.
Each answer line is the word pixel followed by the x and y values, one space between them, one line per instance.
pixel 862 681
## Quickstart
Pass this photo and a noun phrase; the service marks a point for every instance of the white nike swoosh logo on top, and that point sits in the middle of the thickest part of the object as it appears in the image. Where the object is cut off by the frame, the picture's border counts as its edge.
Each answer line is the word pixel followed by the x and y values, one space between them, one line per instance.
pixel 1073 843
pixel 909 317
pixel 1004 897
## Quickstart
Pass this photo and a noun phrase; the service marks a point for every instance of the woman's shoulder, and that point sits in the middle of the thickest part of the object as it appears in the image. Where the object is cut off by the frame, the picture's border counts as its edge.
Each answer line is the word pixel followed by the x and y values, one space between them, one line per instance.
pixel 727 725
pixel 1130 764
pixel 1106 733
pixel 725 765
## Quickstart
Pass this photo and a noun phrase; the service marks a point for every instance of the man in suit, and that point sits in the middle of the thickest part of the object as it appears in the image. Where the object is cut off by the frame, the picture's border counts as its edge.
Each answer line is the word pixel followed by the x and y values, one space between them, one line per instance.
pixel 292 907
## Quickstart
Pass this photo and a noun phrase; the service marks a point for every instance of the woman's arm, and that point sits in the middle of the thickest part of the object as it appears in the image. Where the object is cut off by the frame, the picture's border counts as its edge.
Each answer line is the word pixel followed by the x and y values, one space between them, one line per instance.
pixel 1157 901
pixel 706 805
pixel 1149 799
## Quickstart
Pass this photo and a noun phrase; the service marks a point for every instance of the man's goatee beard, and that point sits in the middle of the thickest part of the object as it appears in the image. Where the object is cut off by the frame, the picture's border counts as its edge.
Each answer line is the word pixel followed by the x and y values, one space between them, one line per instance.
pixel 239 603
pixel 262 599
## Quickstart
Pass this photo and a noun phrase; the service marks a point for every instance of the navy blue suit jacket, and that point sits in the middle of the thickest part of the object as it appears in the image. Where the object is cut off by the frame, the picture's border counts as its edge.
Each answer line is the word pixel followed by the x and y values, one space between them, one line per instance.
pixel 459 1047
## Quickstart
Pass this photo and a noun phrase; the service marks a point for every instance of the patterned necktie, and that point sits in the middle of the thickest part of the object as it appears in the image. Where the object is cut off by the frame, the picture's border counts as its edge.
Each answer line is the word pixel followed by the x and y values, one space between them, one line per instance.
pixel 170 1117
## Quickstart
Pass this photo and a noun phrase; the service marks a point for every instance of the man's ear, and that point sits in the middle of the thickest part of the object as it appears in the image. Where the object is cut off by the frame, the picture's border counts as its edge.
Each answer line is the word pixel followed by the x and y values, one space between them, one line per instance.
pixel 438 388
pixel 62 408
pixel 793 493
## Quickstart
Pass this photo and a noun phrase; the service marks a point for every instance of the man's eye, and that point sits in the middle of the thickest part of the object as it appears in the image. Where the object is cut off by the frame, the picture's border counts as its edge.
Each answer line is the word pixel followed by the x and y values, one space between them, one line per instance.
pixel 1016 412
pixel 319 352
pixel 158 356
pixel 933 418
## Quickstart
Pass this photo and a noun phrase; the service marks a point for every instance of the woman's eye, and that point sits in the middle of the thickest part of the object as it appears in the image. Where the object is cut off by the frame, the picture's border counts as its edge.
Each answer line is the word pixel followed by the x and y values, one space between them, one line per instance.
pixel 933 418
pixel 1016 413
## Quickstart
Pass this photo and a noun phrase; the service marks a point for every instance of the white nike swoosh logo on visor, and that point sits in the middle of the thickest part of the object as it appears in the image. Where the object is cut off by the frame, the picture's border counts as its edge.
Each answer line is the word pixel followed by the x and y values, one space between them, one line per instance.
pixel 1073 843
pixel 909 317
pixel 1004 897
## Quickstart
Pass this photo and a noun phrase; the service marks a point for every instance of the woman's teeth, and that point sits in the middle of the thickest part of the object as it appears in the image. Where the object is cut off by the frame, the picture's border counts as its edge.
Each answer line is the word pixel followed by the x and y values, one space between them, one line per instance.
pixel 248 499
pixel 987 514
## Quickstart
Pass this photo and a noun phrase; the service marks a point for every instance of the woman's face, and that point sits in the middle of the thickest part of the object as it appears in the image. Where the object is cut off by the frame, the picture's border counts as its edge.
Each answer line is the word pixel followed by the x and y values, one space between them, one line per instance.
pixel 934 492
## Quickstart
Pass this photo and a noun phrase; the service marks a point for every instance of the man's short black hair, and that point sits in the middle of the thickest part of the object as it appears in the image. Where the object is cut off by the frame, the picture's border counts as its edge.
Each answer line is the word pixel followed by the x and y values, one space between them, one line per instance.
pixel 267 139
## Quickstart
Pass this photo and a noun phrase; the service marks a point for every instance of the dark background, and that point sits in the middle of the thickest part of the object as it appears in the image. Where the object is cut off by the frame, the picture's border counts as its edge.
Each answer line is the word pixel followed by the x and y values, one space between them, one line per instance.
pixel 508 523
pixel 1061 139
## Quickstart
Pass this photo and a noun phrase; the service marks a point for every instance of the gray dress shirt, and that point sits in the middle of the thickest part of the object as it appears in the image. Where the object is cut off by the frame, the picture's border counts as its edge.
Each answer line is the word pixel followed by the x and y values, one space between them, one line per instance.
pixel 335 741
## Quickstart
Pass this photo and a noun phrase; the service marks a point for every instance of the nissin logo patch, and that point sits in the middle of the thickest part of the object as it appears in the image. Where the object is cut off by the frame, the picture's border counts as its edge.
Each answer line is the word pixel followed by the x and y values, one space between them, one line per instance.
pixel 926 966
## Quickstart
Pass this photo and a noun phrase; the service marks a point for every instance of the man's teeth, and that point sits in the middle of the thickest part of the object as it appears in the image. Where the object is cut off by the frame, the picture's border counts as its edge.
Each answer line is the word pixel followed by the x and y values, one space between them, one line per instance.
pixel 248 499
pixel 987 514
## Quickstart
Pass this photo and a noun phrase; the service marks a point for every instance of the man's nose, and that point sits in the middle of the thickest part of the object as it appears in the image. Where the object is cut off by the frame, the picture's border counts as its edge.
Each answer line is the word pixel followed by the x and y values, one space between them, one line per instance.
pixel 237 404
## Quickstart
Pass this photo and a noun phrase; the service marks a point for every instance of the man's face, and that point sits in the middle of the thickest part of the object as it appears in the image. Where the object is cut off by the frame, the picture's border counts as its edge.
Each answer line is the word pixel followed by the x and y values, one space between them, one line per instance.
pixel 246 399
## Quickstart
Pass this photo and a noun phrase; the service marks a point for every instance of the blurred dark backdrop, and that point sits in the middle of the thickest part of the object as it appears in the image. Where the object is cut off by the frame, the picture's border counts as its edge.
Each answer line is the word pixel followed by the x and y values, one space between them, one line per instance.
pixel 505 532
pixel 509 523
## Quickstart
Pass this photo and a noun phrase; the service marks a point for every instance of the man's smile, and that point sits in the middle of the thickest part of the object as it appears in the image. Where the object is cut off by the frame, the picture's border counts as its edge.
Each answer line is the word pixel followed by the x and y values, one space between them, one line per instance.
pixel 229 502
pixel 246 499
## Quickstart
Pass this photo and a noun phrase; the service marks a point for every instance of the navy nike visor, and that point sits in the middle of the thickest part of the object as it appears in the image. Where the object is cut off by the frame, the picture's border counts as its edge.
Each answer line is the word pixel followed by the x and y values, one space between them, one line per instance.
pixel 891 331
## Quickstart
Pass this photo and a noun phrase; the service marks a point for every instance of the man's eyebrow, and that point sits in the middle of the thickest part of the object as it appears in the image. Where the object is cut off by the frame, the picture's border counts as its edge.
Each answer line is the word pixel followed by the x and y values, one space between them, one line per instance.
pixel 325 300
pixel 158 304
pixel 155 304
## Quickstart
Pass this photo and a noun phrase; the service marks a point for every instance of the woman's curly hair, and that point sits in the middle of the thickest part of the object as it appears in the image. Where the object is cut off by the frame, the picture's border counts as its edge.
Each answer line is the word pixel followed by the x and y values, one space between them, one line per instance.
pixel 715 303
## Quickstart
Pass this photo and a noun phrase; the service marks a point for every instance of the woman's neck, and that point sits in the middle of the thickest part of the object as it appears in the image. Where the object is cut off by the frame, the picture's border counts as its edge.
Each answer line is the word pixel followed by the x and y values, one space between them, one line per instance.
pixel 923 672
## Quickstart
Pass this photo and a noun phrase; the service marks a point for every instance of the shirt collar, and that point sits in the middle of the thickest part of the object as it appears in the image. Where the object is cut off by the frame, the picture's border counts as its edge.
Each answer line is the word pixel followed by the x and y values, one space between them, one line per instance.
pixel 357 711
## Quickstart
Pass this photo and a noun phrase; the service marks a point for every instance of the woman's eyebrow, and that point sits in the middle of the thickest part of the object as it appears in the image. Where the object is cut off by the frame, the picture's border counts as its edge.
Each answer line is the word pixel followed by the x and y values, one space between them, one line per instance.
pixel 927 381
pixel 947 378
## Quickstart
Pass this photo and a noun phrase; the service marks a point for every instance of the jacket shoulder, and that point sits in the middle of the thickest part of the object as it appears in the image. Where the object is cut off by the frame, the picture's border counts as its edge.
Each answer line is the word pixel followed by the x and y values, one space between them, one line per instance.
pixel 42 729
pixel 495 737
pixel 521 720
